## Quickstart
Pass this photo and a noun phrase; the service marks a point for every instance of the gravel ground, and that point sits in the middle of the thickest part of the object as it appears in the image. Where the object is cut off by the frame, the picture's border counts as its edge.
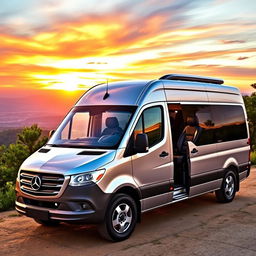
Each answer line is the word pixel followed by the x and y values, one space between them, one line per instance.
pixel 199 226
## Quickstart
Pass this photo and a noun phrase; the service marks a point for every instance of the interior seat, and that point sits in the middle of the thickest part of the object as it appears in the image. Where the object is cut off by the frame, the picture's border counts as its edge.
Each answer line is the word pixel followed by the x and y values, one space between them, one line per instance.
pixel 190 133
pixel 112 127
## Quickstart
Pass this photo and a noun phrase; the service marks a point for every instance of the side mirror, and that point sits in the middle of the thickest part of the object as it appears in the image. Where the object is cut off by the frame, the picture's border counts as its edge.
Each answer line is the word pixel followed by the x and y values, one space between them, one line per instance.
pixel 51 132
pixel 141 143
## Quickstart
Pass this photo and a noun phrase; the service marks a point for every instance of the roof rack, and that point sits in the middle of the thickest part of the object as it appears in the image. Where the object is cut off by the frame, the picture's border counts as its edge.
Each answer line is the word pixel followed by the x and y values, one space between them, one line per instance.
pixel 192 78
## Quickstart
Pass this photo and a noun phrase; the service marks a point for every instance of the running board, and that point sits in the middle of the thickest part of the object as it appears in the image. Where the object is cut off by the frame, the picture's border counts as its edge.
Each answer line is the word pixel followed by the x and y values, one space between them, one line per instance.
pixel 179 193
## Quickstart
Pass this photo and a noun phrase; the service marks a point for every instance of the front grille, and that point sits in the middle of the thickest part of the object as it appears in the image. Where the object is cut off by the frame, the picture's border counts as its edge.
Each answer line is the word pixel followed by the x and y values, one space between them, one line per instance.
pixel 51 184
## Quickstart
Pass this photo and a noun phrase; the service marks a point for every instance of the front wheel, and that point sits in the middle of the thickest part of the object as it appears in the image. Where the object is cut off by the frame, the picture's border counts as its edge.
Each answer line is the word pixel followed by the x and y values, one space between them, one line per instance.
pixel 228 188
pixel 120 219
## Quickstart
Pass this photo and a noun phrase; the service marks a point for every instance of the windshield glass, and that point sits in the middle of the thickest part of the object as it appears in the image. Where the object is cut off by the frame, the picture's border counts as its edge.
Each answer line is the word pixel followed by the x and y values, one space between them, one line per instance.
pixel 93 127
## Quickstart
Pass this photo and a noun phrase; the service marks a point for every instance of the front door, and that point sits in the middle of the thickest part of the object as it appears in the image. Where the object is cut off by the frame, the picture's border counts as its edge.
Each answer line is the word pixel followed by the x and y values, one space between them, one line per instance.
pixel 153 170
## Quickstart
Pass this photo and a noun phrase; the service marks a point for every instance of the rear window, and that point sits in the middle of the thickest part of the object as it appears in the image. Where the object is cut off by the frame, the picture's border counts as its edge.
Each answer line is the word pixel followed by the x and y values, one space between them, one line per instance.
pixel 217 123
pixel 229 123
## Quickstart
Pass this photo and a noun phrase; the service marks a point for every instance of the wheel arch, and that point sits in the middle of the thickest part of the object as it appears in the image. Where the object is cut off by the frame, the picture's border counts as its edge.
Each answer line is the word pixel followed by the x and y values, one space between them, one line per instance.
pixel 135 194
pixel 235 169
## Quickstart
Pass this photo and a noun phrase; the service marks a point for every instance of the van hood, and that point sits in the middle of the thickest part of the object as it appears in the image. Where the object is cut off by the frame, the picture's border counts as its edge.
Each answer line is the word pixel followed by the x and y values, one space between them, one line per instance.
pixel 67 161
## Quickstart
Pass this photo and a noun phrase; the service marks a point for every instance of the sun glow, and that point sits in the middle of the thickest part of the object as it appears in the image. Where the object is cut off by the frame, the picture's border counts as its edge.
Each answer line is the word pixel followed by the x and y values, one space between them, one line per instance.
pixel 67 82
pixel 75 53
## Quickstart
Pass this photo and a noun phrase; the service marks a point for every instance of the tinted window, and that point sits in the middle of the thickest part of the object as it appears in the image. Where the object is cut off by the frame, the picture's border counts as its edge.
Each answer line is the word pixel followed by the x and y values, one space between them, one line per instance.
pixel 153 124
pixel 229 122
pixel 204 130
pixel 150 123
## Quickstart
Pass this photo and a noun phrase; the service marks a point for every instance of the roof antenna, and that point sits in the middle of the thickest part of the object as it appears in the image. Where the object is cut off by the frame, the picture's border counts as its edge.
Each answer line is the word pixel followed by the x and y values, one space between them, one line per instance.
pixel 106 94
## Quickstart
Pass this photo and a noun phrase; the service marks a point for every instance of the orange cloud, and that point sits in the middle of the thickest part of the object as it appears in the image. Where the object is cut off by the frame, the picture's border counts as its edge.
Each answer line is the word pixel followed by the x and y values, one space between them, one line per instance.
pixel 74 54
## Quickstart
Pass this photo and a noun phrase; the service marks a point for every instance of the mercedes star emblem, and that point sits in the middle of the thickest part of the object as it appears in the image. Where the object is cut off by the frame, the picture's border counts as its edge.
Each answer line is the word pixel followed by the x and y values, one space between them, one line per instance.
pixel 36 183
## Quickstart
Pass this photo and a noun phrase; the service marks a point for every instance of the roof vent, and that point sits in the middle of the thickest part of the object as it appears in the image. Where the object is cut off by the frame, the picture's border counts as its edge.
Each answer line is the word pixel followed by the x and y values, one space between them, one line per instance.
pixel 192 78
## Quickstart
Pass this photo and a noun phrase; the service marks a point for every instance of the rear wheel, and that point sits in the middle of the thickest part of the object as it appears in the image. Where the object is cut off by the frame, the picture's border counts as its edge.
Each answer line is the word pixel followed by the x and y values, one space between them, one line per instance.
pixel 47 222
pixel 121 218
pixel 228 188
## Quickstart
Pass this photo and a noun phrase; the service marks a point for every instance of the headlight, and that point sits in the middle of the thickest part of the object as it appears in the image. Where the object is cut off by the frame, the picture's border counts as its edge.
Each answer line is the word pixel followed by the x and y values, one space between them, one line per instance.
pixel 86 178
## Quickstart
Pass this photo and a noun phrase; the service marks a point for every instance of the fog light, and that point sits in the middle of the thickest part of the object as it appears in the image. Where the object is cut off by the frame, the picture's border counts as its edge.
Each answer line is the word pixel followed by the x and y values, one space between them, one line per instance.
pixel 85 206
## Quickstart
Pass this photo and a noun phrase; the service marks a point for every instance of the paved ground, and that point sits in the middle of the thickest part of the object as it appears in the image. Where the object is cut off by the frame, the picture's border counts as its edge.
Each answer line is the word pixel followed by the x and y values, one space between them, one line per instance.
pixel 198 226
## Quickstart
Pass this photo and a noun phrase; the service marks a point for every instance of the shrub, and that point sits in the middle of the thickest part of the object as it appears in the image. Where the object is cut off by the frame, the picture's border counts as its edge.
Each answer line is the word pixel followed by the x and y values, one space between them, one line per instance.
pixel 253 157
pixel 11 157
pixel 7 197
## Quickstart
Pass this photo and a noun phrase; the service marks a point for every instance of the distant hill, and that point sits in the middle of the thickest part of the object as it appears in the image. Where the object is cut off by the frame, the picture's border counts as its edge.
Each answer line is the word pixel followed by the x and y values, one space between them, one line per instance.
pixel 47 108
pixel 9 136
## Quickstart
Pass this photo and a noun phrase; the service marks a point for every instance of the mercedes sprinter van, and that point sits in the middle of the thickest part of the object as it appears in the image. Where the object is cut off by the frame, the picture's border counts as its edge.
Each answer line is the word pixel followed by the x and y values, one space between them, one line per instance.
pixel 129 147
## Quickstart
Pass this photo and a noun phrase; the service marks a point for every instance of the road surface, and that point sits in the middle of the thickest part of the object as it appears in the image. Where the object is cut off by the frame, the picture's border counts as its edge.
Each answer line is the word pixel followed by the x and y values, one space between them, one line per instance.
pixel 199 226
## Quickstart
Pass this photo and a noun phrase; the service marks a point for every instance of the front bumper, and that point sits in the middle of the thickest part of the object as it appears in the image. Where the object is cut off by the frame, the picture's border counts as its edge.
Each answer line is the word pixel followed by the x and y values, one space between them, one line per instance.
pixel 86 204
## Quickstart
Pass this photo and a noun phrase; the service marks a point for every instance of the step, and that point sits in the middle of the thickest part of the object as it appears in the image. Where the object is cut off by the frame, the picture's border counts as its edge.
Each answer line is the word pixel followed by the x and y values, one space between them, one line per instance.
pixel 180 196
pixel 179 190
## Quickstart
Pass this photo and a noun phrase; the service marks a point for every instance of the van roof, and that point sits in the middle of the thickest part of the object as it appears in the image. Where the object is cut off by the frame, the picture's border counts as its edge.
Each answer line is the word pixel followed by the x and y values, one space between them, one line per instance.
pixel 173 87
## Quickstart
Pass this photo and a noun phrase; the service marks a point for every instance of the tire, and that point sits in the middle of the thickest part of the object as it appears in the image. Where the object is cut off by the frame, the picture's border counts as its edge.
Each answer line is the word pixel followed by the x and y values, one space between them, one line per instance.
pixel 48 223
pixel 228 188
pixel 120 219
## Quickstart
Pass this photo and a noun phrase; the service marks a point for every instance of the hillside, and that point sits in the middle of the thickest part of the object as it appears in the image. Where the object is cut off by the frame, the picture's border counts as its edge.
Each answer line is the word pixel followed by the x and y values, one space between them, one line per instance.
pixel 10 135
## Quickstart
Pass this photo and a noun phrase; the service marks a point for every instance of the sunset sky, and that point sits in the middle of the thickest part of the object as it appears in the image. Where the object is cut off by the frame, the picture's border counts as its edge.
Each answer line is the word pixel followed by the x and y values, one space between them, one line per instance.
pixel 70 45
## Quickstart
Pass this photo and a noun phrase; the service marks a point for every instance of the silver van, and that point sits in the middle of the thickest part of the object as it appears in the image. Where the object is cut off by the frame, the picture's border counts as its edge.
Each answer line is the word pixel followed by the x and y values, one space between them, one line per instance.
pixel 129 147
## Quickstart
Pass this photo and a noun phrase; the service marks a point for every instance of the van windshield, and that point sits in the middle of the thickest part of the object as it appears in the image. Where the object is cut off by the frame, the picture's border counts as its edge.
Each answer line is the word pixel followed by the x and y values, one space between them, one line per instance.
pixel 93 127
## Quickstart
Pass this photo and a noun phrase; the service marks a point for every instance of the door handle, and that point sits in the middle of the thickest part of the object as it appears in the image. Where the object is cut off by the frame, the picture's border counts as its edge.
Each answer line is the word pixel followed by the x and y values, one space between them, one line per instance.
pixel 194 150
pixel 164 154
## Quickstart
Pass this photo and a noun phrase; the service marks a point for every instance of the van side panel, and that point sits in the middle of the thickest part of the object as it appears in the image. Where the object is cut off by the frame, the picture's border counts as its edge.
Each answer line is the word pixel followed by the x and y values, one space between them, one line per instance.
pixel 238 150
pixel 223 97
pixel 181 95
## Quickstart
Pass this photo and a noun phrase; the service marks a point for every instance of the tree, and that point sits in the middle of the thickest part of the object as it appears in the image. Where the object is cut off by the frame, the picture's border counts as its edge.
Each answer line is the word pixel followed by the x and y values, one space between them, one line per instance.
pixel 11 157
pixel 250 104
pixel 10 160
pixel 253 85
pixel 31 137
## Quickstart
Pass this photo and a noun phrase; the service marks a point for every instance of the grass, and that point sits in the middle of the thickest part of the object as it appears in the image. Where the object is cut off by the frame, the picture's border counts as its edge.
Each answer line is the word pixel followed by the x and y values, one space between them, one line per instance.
pixel 253 157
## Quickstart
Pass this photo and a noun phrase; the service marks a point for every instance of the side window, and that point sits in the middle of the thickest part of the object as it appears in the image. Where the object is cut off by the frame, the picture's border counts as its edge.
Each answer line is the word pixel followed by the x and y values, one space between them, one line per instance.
pixel 202 128
pixel 229 123
pixel 151 123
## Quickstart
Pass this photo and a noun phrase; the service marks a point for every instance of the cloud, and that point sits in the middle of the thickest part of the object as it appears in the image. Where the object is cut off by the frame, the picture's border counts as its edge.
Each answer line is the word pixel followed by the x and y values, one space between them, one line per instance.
pixel 233 41
pixel 119 40
pixel 242 58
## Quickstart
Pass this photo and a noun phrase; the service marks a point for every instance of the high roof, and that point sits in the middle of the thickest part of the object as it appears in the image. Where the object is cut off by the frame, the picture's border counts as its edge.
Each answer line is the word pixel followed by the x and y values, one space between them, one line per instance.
pixel 166 88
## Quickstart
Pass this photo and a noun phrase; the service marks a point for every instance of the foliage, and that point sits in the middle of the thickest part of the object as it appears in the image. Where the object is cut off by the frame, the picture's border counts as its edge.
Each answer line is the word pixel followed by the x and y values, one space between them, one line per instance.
pixel 12 156
pixel 250 104
pixel 7 197
pixel 30 137
pixel 10 160
pixel 253 157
